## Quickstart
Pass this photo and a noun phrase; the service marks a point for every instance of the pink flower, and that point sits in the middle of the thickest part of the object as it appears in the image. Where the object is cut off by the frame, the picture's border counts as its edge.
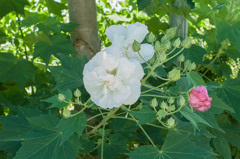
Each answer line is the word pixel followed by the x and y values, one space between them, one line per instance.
pixel 199 99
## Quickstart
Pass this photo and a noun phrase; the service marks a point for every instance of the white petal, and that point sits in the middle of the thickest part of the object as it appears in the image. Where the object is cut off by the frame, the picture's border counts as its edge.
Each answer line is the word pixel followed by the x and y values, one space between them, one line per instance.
pixel 117 35
pixel 115 51
pixel 135 93
pixel 146 52
pixel 136 31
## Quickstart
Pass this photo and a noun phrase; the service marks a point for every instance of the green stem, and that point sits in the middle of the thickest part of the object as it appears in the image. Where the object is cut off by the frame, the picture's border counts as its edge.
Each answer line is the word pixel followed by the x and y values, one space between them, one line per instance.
pixel 151 72
pixel 155 88
pixel 175 55
pixel 109 116
pixel 171 51
pixel 144 59
pixel 153 95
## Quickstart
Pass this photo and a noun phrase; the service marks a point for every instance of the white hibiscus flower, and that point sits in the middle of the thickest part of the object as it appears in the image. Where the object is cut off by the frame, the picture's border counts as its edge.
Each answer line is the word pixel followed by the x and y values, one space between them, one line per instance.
pixel 123 38
pixel 111 80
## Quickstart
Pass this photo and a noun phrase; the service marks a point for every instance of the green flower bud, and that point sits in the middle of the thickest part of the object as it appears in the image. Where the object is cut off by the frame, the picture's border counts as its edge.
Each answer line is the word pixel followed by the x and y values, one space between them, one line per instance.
pixel 177 43
pixel 66 113
pixel 171 33
pixel 187 43
pixel 167 45
pixel 157 46
pixel 181 58
pixel 172 107
pixel 162 57
pixel 171 100
pixel 181 101
pixel 61 97
pixel 151 38
pixel 161 114
pixel 136 46
pixel 193 66
pixel 164 39
pixel 174 75
pixel 170 122
pixel 164 105
pixel 187 65
pixel 77 93
pixel 154 103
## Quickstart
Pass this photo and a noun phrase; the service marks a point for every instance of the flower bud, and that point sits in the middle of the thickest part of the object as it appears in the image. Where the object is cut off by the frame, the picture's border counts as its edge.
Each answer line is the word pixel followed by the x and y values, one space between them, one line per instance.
pixel 164 39
pixel 172 107
pixel 171 100
pixel 174 75
pixel 162 57
pixel 151 38
pixel 164 105
pixel 177 43
pixel 181 58
pixel 157 46
pixel 154 103
pixel 136 46
pixel 167 45
pixel 181 101
pixel 66 113
pixel 170 122
pixel 187 43
pixel 193 66
pixel 171 33
pixel 161 114
pixel 61 97
pixel 187 65
pixel 77 93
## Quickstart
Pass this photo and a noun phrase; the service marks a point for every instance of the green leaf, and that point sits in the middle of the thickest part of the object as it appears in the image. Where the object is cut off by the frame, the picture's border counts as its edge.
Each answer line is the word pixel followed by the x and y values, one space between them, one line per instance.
pixel 56 103
pixel 117 144
pixel 196 79
pixel 143 4
pixel 30 20
pixel 68 27
pixel 57 44
pixel 176 145
pixel 195 54
pixel 49 24
pixel 182 85
pixel 144 115
pixel 193 117
pixel 69 75
pixel 44 141
pixel 7 6
pixel 230 32
pixel 219 6
pixel 55 7
pixel 222 147
pixel 17 70
pixel 71 125
pixel 229 92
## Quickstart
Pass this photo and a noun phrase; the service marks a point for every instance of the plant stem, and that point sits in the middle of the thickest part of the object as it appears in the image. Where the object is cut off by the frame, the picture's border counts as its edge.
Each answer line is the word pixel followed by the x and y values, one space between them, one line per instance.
pixel 109 116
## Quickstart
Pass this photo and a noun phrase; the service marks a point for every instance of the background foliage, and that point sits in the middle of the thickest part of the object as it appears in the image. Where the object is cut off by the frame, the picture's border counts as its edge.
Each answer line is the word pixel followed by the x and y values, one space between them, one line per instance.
pixel 36 63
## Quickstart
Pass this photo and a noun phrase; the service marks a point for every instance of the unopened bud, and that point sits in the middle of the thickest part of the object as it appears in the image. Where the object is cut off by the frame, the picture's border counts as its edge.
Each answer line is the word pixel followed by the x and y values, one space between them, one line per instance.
pixel 161 114
pixel 66 113
pixel 162 57
pixel 187 65
pixel 174 75
pixel 187 43
pixel 164 105
pixel 181 101
pixel 151 38
pixel 171 33
pixel 77 93
pixel 61 97
pixel 136 46
pixel 193 66
pixel 164 39
pixel 177 43
pixel 167 45
pixel 154 103
pixel 172 107
pixel 171 100
pixel 170 122
pixel 181 58
pixel 157 46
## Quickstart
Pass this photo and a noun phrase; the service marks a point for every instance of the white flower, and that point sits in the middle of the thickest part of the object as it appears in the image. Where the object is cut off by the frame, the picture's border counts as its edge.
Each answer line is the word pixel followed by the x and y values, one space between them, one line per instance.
pixel 111 80
pixel 123 38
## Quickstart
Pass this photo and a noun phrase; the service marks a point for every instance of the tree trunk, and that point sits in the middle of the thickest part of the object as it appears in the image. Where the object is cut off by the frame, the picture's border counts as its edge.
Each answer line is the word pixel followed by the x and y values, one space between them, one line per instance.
pixel 179 21
pixel 86 40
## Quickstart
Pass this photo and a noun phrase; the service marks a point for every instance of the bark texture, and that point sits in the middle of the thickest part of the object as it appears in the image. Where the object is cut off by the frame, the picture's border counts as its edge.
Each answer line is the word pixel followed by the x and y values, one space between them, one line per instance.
pixel 179 21
pixel 86 40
